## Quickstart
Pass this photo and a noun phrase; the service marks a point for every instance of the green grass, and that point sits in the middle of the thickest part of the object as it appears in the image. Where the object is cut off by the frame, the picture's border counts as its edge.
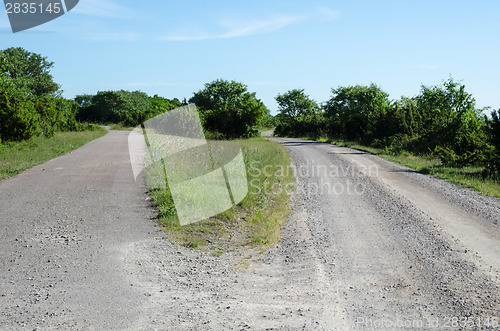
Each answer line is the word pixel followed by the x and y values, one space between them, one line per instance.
pixel 20 156
pixel 255 222
pixel 469 177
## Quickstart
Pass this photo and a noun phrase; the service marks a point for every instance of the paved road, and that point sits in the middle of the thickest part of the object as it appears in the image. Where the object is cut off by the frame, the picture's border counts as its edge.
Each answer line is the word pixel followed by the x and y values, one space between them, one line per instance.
pixel 64 230
pixel 370 245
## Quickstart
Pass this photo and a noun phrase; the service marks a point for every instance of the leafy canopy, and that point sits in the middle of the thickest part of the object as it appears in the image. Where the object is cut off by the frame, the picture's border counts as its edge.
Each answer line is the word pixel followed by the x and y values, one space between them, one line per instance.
pixel 296 105
pixel 353 110
pixel 228 110
pixel 28 70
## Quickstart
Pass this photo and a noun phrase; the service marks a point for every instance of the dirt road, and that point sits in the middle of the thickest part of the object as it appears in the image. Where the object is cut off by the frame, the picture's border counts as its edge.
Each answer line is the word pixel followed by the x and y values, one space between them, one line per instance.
pixel 371 245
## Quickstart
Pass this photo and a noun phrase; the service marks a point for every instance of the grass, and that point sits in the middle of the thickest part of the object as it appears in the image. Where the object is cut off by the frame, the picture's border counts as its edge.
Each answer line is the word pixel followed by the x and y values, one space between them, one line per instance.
pixel 468 177
pixel 255 222
pixel 16 157
pixel 120 127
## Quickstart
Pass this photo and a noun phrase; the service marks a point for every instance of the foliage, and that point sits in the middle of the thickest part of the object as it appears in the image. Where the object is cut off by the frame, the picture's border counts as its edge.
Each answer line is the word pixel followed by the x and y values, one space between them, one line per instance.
pixel 298 114
pixel 357 112
pixel 28 70
pixel 442 120
pixel 493 130
pixel 30 103
pixel 449 118
pixel 18 118
pixel 124 107
pixel 268 121
pixel 228 110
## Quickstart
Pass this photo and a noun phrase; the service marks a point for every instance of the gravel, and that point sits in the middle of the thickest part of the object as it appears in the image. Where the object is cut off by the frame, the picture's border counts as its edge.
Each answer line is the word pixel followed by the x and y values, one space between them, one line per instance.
pixel 80 250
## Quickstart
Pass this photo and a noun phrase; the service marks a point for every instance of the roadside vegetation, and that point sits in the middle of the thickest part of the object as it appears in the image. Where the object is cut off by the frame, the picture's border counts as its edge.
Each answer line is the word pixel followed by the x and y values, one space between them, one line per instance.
pixel 228 111
pixel 256 221
pixel 474 177
pixel 438 132
pixel 36 122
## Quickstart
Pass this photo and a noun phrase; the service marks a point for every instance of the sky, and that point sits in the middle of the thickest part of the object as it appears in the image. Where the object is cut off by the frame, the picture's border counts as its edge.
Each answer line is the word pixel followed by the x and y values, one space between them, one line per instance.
pixel 172 48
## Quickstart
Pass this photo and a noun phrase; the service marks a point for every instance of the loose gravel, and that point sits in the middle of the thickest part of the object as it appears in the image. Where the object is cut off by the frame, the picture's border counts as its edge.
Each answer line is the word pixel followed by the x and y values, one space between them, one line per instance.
pixel 79 250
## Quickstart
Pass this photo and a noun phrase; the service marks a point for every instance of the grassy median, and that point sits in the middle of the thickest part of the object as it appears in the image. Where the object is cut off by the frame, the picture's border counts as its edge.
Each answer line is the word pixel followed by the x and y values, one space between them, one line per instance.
pixel 16 157
pixel 255 222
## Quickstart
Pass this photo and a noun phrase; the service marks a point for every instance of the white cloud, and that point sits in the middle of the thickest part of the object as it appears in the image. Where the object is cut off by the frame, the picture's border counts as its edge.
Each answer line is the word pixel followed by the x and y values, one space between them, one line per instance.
pixel 102 8
pixel 234 28
pixel 329 14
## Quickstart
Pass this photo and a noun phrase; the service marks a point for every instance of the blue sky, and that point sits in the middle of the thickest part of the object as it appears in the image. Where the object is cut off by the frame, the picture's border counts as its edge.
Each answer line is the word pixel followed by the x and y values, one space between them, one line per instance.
pixel 172 48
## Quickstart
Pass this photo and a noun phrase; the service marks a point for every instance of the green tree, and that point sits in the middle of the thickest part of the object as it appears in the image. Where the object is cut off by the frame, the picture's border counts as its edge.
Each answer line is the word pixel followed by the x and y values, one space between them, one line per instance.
pixel 353 112
pixel 493 131
pixel 28 70
pixel 451 124
pixel 299 115
pixel 129 108
pixel 295 105
pixel 228 110
pixel 18 118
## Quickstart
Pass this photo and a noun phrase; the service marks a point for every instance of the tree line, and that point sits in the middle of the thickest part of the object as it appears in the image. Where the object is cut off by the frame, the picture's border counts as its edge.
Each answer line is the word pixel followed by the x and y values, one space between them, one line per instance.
pixel 441 120
pixel 31 104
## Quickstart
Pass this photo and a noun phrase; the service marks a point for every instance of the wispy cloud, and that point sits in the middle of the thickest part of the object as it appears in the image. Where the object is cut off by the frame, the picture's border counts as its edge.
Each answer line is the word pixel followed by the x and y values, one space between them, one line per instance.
pixel 329 14
pixel 102 8
pixel 234 28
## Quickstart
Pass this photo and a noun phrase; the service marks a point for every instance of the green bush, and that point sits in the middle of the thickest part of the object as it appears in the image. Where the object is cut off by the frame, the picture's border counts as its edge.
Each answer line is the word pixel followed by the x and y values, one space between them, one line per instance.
pixel 228 110
pixel 299 115
pixel 18 118
pixel 30 104
pixel 125 107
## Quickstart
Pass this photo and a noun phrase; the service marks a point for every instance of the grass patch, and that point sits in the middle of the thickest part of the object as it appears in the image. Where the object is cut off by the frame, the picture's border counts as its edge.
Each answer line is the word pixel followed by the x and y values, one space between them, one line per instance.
pixel 120 127
pixel 255 222
pixel 469 177
pixel 16 157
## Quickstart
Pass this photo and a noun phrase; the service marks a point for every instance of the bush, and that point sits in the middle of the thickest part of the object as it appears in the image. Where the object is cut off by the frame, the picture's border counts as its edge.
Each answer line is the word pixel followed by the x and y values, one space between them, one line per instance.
pixel 125 107
pixel 30 104
pixel 227 110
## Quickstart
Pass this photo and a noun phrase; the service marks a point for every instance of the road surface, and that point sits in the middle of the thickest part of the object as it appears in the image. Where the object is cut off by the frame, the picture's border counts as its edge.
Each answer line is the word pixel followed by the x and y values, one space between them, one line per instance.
pixel 370 245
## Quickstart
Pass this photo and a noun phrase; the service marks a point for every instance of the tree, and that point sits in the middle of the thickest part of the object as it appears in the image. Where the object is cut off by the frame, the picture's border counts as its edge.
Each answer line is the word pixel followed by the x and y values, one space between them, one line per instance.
pixel 296 105
pixel 299 115
pixel 228 110
pixel 18 118
pixel 452 126
pixel 28 70
pixel 353 111
pixel 128 108
pixel 493 130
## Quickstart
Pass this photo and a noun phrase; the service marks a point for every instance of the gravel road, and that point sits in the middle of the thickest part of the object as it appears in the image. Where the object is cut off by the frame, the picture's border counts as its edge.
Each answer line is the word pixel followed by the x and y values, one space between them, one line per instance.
pixel 370 245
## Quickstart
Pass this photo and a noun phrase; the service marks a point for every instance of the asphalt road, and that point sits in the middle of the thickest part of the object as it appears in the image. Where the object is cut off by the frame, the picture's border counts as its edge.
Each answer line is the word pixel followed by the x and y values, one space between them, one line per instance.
pixel 64 230
pixel 370 245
